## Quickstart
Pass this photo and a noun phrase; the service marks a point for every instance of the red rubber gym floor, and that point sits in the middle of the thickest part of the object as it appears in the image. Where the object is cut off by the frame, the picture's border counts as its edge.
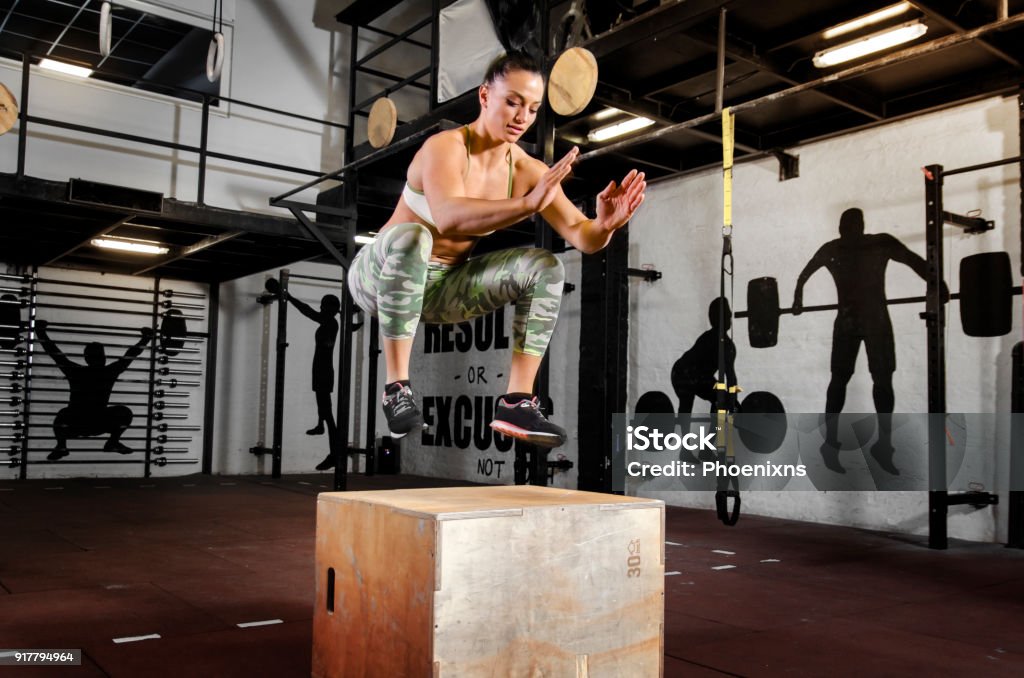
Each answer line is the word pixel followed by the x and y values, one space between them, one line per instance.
pixel 213 576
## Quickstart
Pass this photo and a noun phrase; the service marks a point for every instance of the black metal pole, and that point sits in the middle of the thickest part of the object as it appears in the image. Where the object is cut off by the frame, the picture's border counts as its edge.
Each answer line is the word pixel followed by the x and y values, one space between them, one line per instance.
pixel 282 348
pixel 344 391
pixel 150 398
pixel 350 134
pixel 203 137
pixel 435 51
pixel 938 496
pixel 1015 526
pixel 23 122
pixel 372 396
pixel 380 49
pixel 543 238
pixel 29 355
pixel 210 397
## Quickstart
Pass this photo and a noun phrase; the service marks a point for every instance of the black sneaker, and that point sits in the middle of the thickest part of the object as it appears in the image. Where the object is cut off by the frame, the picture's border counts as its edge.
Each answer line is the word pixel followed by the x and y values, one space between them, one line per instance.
pixel 119 447
pixel 58 452
pixel 525 421
pixel 402 413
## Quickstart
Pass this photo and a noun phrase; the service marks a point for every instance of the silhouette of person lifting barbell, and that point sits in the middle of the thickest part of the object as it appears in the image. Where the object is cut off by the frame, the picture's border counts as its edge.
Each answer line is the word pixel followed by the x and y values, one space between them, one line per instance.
pixel 857 263
pixel 88 412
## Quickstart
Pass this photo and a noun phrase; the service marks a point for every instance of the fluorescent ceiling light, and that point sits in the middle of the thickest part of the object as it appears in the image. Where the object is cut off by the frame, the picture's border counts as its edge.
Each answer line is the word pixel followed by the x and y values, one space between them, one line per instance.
pixel 875 42
pixel 135 246
pixel 365 239
pixel 605 113
pixel 619 129
pixel 866 20
pixel 61 67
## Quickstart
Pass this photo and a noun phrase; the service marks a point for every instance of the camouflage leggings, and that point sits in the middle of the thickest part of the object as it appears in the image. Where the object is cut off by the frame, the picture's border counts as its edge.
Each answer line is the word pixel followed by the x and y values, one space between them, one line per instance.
pixel 394 279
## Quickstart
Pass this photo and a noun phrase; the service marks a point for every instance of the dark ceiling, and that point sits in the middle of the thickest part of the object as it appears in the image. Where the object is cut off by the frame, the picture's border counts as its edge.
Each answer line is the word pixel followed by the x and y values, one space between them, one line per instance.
pixel 657 59
pixel 662 64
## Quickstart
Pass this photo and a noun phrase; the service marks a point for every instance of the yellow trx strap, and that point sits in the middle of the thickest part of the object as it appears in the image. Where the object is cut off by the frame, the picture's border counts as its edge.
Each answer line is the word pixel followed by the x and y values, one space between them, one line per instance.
pixel 728 142
pixel 728 488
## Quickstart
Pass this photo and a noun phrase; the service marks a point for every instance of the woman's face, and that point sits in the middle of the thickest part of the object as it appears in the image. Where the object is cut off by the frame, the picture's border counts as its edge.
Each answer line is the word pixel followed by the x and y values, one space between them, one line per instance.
pixel 509 104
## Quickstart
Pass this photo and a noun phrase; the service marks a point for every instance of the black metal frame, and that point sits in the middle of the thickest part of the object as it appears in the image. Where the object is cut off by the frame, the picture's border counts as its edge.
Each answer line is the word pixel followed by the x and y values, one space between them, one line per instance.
pixel 279 371
pixel 939 499
pixel 339 446
pixel 604 345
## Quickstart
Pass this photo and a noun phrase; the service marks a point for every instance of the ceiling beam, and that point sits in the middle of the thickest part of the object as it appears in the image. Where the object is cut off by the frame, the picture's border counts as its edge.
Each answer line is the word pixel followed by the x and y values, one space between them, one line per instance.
pixel 671 17
pixel 939 11
pixel 186 213
pixel 675 76
pixel 179 253
pixel 656 110
pixel 806 27
pixel 98 234
pixel 740 49
pixel 969 87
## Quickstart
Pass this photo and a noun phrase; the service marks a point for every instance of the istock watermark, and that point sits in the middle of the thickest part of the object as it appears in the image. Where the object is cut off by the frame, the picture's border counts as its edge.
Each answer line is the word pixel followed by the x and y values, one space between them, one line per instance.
pixel 715 469
pixel 957 452
pixel 643 438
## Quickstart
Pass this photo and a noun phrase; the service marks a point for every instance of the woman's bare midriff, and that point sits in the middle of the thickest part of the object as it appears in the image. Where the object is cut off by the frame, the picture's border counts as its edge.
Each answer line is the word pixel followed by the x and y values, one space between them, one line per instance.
pixel 446 250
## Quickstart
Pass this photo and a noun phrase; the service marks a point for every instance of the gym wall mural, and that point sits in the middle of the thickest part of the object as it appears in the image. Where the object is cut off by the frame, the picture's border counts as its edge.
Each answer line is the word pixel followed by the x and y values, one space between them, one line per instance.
pixel 90 385
pixel 101 373
pixel 460 370
pixel 322 369
pixel 856 263
pixel 314 353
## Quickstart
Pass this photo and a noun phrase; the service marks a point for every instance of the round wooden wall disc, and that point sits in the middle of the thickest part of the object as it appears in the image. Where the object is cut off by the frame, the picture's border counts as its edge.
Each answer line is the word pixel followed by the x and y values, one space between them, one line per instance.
pixel 8 109
pixel 381 126
pixel 573 81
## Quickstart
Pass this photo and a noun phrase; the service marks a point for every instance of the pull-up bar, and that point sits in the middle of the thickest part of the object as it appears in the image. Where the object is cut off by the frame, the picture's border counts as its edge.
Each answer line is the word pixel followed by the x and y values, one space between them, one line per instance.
pixel 984 165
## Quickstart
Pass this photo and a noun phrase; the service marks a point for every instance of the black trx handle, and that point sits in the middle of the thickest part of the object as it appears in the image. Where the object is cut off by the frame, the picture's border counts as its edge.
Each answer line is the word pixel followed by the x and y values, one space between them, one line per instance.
pixel 722 506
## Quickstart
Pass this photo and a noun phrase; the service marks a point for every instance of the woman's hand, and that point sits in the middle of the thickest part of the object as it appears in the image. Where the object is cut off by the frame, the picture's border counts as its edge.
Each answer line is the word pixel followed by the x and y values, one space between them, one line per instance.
pixel 548 185
pixel 616 204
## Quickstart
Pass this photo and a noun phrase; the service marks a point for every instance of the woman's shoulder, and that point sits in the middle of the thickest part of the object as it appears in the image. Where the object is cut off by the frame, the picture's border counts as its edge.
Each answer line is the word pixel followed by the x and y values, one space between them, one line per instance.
pixel 524 162
pixel 438 147
pixel 446 140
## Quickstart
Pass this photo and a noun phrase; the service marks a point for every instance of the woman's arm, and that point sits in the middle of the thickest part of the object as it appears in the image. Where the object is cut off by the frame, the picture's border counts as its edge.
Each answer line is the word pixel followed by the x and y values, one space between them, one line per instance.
pixel 615 207
pixel 456 214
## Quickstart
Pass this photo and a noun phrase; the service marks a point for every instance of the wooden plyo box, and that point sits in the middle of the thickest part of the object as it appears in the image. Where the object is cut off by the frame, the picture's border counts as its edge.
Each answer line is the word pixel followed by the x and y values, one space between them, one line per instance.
pixel 488 581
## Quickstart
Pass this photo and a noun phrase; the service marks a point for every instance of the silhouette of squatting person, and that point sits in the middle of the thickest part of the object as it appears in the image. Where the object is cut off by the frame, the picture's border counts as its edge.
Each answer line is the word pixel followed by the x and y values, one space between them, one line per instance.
pixel 88 412
pixel 857 262
pixel 323 367
pixel 696 372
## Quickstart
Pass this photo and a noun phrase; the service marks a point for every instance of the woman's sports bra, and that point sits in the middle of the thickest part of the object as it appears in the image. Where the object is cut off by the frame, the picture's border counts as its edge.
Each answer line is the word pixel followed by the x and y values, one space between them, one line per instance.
pixel 417 201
